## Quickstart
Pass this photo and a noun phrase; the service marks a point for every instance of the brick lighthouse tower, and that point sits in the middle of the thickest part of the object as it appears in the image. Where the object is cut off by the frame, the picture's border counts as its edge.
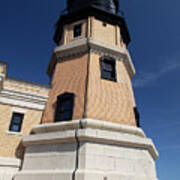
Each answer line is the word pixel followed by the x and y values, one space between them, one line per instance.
pixel 90 127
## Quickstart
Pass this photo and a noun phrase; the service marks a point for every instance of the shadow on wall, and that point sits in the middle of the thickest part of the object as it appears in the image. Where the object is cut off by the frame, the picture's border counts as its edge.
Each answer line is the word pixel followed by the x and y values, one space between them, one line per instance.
pixel 20 150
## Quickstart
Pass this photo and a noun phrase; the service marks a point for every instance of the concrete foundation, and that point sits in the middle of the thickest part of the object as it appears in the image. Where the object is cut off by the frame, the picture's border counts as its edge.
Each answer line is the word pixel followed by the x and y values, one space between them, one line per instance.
pixel 88 150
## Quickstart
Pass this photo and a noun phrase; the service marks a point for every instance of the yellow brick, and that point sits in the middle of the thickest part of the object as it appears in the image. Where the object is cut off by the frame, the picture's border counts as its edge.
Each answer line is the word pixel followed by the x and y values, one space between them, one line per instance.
pixel 9 143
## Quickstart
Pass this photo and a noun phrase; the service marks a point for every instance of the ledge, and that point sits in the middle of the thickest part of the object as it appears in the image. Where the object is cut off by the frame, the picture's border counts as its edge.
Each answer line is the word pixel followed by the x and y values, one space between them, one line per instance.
pixel 87 123
pixel 89 130
pixel 84 44
pixel 14 133
pixel 115 138
pixel 10 162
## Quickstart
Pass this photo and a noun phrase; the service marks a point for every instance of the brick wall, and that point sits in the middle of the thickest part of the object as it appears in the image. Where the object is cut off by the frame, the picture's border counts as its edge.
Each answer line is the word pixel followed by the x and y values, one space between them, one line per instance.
pixel 96 29
pixel 69 76
pixel 108 100
pixel 69 32
pixel 9 143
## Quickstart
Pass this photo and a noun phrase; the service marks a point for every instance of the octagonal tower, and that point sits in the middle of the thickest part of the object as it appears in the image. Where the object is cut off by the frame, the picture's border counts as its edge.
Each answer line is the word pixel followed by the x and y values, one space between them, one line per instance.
pixel 91 61
pixel 90 127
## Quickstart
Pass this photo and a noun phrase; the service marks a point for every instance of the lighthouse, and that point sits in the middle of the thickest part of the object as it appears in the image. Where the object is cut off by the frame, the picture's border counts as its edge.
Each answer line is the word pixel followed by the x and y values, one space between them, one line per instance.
pixel 90 128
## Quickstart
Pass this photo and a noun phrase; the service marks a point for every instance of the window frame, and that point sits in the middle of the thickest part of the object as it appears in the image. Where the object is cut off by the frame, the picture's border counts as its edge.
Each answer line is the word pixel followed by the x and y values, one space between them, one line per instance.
pixel 14 114
pixel 137 116
pixel 107 60
pixel 59 109
pixel 74 30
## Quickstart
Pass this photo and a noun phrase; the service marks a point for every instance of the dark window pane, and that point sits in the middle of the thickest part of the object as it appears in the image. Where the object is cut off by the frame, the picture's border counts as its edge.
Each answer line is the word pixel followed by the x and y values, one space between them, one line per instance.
pixel 77 30
pixel 108 69
pixel 106 75
pixel 137 116
pixel 107 66
pixel 67 115
pixel 15 128
pixel 16 122
pixel 17 119
pixel 64 110
pixel 66 105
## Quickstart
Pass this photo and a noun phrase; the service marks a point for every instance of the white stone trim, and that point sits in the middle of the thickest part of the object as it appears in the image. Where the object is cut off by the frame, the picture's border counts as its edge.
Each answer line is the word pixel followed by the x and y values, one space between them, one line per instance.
pixel 125 140
pixel 76 47
pixel 2 75
pixel 78 22
pixel 88 130
pixel 11 162
pixel 91 123
pixel 20 103
pixel 92 135
pixel 52 127
pixel 27 83
pixel 19 110
pixel 88 123
pixel 14 133
pixel 14 91
pixel 22 99
pixel 8 168
pixel 82 46
pixel 99 174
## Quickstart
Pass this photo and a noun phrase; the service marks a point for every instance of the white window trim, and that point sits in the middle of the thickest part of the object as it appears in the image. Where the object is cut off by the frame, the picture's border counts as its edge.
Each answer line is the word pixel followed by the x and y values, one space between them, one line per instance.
pixel 78 22
pixel 81 22
pixel 76 38
pixel 19 110
pixel 14 133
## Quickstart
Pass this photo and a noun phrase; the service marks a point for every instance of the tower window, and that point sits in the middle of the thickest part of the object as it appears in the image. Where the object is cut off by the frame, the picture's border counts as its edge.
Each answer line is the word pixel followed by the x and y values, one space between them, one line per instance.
pixel 137 116
pixel 16 122
pixel 77 30
pixel 108 68
pixel 64 110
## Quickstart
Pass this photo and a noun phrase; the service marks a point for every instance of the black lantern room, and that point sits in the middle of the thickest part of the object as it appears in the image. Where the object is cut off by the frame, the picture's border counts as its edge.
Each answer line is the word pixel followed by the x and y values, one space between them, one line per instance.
pixel 105 10
pixel 111 6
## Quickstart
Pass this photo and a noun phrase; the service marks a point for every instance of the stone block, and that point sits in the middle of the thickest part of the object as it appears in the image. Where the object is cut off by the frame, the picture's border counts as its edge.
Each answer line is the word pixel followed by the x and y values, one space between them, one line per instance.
pixel 88 153
pixel 8 168
pixel 45 175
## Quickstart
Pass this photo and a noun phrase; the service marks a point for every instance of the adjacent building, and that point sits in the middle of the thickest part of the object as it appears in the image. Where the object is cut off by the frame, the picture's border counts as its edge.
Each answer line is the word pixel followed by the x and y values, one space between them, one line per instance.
pixel 21 107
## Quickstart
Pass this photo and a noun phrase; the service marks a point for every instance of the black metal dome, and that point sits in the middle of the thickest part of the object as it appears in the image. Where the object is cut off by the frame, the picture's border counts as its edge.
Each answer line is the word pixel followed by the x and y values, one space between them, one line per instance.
pixel 111 6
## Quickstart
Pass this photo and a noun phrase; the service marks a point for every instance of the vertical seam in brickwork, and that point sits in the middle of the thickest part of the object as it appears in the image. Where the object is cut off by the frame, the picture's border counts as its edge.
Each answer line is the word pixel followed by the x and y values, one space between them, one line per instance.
pixel 86 85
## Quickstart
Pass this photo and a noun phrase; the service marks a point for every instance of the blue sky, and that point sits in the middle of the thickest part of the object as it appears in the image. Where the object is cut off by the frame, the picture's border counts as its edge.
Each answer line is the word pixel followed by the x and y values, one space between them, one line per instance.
pixel 26 44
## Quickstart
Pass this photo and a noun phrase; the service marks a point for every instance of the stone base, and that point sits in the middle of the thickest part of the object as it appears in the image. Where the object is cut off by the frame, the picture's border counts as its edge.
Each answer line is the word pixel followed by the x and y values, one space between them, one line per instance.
pixel 88 150
pixel 8 168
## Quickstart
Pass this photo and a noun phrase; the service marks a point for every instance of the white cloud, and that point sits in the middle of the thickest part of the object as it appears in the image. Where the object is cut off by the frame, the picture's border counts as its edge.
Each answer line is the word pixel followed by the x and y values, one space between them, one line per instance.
pixel 170 64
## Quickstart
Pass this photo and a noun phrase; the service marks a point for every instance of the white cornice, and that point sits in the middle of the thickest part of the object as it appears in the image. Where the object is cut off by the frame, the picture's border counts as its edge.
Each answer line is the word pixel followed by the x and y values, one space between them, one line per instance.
pixel 19 110
pixel 29 94
pixel 27 83
pixel 24 100
pixel 95 46
pixel 89 130
pixel 73 48
pixel 20 103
